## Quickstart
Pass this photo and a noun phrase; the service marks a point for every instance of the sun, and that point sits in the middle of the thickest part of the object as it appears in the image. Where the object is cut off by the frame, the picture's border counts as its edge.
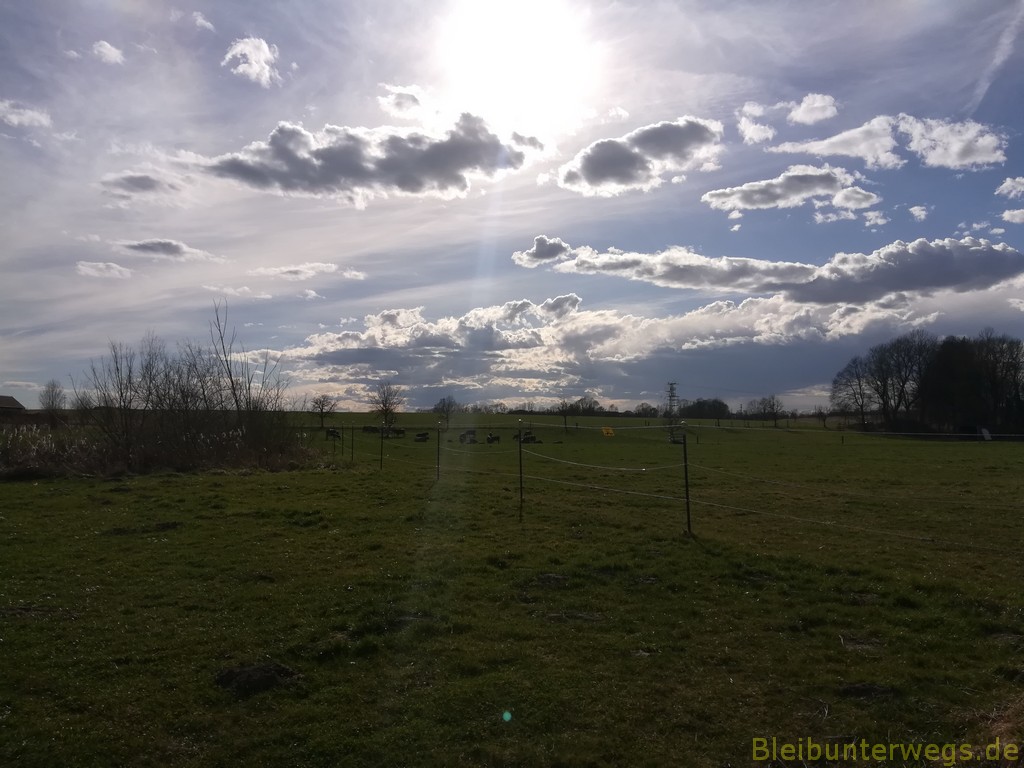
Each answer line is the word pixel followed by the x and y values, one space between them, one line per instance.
pixel 523 65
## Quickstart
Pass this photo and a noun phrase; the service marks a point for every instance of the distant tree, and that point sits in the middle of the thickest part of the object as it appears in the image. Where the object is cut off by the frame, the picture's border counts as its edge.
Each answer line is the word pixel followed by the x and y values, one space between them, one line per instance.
pixel 821 413
pixel 852 390
pixel 53 398
pixel 705 409
pixel 1001 359
pixel 646 411
pixel 386 401
pixel 564 409
pixel 588 406
pixel 895 369
pixel 323 405
pixel 447 406
pixel 771 407
pixel 755 410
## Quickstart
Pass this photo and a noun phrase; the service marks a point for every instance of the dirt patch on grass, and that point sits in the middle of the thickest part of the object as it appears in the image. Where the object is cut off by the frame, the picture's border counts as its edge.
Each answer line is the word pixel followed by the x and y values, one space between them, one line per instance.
pixel 247 680
pixel 868 691
pixel 168 525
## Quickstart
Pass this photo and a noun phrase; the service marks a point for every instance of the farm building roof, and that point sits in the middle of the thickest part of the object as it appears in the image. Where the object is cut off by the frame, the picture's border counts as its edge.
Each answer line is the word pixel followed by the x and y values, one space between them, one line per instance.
pixel 8 403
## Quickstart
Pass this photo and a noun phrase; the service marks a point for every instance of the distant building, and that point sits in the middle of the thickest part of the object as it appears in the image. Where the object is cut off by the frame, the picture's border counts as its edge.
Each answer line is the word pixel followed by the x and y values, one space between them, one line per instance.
pixel 8 405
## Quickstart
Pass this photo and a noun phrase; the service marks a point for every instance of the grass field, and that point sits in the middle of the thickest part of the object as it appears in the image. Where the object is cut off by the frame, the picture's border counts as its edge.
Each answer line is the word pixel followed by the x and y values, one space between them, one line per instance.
pixel 838 586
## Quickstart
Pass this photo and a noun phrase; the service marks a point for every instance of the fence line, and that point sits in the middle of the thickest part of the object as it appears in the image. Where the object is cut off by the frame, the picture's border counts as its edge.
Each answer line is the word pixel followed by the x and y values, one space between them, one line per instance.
pixel 599 466
pixel 833 524
pixel 604 488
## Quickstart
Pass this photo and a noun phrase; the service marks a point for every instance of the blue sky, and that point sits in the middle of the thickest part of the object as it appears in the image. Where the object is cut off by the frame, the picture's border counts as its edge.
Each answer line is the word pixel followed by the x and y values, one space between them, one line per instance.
pixel 510 201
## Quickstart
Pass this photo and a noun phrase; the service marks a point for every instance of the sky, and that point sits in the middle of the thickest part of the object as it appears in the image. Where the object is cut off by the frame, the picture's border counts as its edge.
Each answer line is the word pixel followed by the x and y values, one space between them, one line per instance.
pixel 509 201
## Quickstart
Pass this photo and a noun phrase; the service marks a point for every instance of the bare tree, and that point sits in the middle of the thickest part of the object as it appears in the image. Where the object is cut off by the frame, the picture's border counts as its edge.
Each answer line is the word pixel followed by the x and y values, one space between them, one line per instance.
pixel 386 401
pixel 322 406
pixel 821 413
pixel 446 407
pixel 53 398
pixel 564 409
pixel 771 407
pixel 852 389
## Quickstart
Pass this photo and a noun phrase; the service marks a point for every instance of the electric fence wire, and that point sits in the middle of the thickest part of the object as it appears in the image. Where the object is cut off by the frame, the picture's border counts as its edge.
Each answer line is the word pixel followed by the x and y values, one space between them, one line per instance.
pixel 600 466
pixel 732 508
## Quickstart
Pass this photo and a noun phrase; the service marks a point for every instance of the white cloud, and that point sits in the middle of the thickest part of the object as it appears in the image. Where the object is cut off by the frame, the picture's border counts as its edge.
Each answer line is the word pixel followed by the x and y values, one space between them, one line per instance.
pixel 794 187
pixel 752 109
pixel 875 219
pixel 872 142
pixel 997 231
pixel 1014 217
pixel 919 212
pixel 405 101
pixel 310 295
pixel 245 292
pixel 829 218
pixel 638 160
pixel 1002 52
pixel 946 144
pixel 17 116
pixel 735 227
pixel 753 132
pixel 72 54
pixel 201 21
pixel 855 197
pixel 814 108
pixel 256 60
pixel 107 53
pixel 106 269
pixel 359 164
pixel 296 271
pixel 1012 187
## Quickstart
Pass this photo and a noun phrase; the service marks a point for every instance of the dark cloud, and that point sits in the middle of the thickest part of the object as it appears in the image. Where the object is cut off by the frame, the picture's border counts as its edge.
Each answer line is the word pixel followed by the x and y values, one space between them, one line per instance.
pixel 145 182
pixel 527 141
pixel 401 101
pixel 544 249
pixel 609 161
pixel 640 158
pixel 920 267
pixel 171 250
pixel 129 183
pixel 358 164
pixel 560 306
pixel 791 189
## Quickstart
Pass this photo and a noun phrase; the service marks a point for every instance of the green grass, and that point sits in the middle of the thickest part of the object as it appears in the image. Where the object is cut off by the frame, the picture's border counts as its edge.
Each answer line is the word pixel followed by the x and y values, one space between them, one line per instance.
pixel 838 585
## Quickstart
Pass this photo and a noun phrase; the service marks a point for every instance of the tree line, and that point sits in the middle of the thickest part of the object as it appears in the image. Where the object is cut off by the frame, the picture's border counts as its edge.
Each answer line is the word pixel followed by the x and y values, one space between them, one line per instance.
pixel 920 382
pixel 197 405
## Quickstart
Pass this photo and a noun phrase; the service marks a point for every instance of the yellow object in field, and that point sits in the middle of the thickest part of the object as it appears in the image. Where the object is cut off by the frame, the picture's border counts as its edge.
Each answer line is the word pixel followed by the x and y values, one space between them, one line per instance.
pixel 608 431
